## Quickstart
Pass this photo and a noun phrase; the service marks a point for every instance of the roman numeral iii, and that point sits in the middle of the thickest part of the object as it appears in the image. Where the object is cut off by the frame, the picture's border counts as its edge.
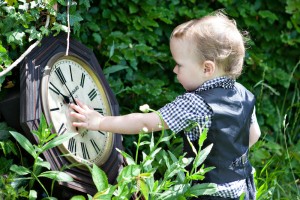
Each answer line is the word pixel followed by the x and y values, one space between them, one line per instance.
pixel 92 94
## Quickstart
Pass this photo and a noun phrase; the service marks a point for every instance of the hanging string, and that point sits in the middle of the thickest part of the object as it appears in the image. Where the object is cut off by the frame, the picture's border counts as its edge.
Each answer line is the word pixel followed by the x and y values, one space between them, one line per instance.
pixel 68 21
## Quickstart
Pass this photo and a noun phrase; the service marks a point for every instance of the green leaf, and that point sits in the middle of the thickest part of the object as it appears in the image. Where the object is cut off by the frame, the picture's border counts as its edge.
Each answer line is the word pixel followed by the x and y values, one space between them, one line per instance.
pixel 167 138
pixel 112 50
pixel 58 27
pixel 268 14
pixel 97 37
pixel 93 26
pixel 203 137
pixel 203 189
pixel 114 69
pixel 4 135
pixel 129 172
pixel 144 189
pixel 203 155
pixel 50 137
pixel 43 164
pixel 99 178
pixel 57 176
pixel 174 192
pixel 196 177
pixel 24 142
pixel 75 18
pixel 133 8
pixel 49 198
pixel 20 170
pixel 105 195
pixel 129 159
pixel 2 49
pixel 15 37
pixel 78 197
pixel 58 140
pixel 32 195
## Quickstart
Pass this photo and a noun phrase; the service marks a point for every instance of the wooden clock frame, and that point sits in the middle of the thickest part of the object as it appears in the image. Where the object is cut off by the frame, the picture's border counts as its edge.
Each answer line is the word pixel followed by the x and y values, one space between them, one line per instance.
pixel 31 74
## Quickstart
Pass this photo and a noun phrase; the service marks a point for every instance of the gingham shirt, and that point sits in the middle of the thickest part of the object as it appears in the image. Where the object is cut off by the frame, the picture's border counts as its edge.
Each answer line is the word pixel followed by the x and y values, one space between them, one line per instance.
pixel 189 108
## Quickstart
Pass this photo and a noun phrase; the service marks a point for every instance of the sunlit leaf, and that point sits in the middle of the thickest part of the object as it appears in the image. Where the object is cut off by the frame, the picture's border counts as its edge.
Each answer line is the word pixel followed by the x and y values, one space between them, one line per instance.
pixel 144 189
pixel 20 170
pixel 203 155
pixel 129 159
pixel 57 175
pixel 32 195
pixel 203 189
pixel 99 178
pixel 58 140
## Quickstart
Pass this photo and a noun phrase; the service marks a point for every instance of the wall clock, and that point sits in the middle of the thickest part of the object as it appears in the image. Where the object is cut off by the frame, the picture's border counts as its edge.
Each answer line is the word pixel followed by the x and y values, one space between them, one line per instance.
pixel 49 82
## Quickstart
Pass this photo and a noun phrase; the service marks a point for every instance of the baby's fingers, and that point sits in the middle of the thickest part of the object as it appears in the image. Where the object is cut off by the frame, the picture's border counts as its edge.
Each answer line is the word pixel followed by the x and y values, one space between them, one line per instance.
pixel 80 124
pixel 78 116
pixel 77 108
pixel 82 105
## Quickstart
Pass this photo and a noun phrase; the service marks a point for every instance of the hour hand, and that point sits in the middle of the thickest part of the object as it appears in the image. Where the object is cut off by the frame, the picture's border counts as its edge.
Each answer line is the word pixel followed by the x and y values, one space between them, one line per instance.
pixel 66 98
pixel 56 90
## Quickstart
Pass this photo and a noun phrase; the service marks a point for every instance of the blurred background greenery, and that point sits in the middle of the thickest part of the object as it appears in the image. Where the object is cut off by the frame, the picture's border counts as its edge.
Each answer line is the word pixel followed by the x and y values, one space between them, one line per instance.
pixel 131 41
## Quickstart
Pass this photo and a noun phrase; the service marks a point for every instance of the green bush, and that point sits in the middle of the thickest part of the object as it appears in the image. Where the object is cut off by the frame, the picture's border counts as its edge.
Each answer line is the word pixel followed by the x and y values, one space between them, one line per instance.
pixel 131 41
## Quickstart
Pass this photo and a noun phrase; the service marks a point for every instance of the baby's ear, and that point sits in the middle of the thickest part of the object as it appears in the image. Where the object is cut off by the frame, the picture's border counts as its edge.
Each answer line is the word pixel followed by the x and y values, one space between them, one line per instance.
pixel 209 68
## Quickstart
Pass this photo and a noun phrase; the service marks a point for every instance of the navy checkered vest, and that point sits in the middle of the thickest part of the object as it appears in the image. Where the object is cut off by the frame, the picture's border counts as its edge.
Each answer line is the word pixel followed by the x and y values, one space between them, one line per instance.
pixel 229 133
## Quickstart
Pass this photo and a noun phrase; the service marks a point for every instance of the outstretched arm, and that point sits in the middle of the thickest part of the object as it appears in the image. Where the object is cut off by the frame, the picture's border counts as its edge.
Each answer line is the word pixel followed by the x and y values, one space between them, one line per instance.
pixel 126 124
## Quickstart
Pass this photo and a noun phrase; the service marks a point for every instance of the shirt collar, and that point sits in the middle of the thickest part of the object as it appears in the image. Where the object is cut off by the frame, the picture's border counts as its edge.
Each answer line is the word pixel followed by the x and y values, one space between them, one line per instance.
pixel 222 82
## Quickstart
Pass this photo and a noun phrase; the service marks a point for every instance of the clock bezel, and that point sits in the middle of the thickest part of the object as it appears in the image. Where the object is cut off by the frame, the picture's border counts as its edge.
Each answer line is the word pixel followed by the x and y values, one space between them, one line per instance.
pixel 81 163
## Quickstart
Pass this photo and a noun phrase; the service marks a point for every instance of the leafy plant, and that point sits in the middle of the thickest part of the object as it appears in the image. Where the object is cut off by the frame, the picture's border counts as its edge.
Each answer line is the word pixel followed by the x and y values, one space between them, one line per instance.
pixel 40 168
pixel 272 153
pixel 10 187
pixel 140 179
pixel 131 41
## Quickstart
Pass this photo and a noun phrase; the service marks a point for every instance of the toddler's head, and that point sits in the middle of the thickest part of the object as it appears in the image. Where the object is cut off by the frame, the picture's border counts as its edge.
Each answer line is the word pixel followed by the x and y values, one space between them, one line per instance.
pixel 215 38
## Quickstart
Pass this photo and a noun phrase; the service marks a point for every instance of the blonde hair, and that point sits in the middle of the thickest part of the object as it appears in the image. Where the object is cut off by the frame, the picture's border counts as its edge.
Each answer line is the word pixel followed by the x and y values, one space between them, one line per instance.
pixel 217 39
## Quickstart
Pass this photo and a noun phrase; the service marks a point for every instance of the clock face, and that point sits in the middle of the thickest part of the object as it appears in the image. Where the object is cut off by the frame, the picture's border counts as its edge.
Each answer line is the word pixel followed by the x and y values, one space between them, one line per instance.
pixel 67 78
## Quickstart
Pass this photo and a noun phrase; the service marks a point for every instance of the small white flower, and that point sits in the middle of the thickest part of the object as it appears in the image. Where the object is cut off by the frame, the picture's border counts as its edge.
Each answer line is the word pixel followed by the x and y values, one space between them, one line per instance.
pixel 160 126
pixel 185 160
pixel 145 108
pixel 145 130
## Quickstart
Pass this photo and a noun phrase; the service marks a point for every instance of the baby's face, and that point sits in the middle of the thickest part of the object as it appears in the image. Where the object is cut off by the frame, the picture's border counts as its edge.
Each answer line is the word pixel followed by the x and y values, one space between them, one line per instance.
pixel 188 68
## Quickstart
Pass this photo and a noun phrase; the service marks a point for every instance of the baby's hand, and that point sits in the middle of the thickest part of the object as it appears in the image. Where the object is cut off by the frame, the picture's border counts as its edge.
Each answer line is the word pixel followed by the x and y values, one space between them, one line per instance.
pixel 87 118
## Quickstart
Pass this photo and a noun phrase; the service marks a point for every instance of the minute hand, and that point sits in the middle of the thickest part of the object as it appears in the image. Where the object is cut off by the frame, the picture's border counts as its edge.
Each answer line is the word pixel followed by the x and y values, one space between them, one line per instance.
pixel 63 81
pixel 70 94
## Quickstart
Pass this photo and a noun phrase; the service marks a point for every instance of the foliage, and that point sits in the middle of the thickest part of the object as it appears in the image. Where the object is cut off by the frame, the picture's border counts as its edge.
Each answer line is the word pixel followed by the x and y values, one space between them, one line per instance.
pixel 140 179
pixel 10 186
pixel 130 39
pixel 21 173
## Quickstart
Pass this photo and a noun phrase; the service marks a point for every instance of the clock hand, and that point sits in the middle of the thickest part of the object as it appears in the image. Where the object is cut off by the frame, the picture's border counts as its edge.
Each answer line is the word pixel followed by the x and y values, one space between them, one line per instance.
pixel 57 91
pixel 70 94
pixel 63 81
pixel 66 98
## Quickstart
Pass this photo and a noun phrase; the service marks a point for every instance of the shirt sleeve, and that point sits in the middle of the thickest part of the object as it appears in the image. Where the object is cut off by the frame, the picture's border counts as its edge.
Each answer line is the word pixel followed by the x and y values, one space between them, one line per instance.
pixel 184 111
pixel 253 117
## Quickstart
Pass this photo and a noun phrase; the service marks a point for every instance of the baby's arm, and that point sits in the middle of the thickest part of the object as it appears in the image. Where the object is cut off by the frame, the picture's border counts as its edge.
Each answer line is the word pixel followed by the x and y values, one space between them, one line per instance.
pixel 254 130
pixel 126 124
